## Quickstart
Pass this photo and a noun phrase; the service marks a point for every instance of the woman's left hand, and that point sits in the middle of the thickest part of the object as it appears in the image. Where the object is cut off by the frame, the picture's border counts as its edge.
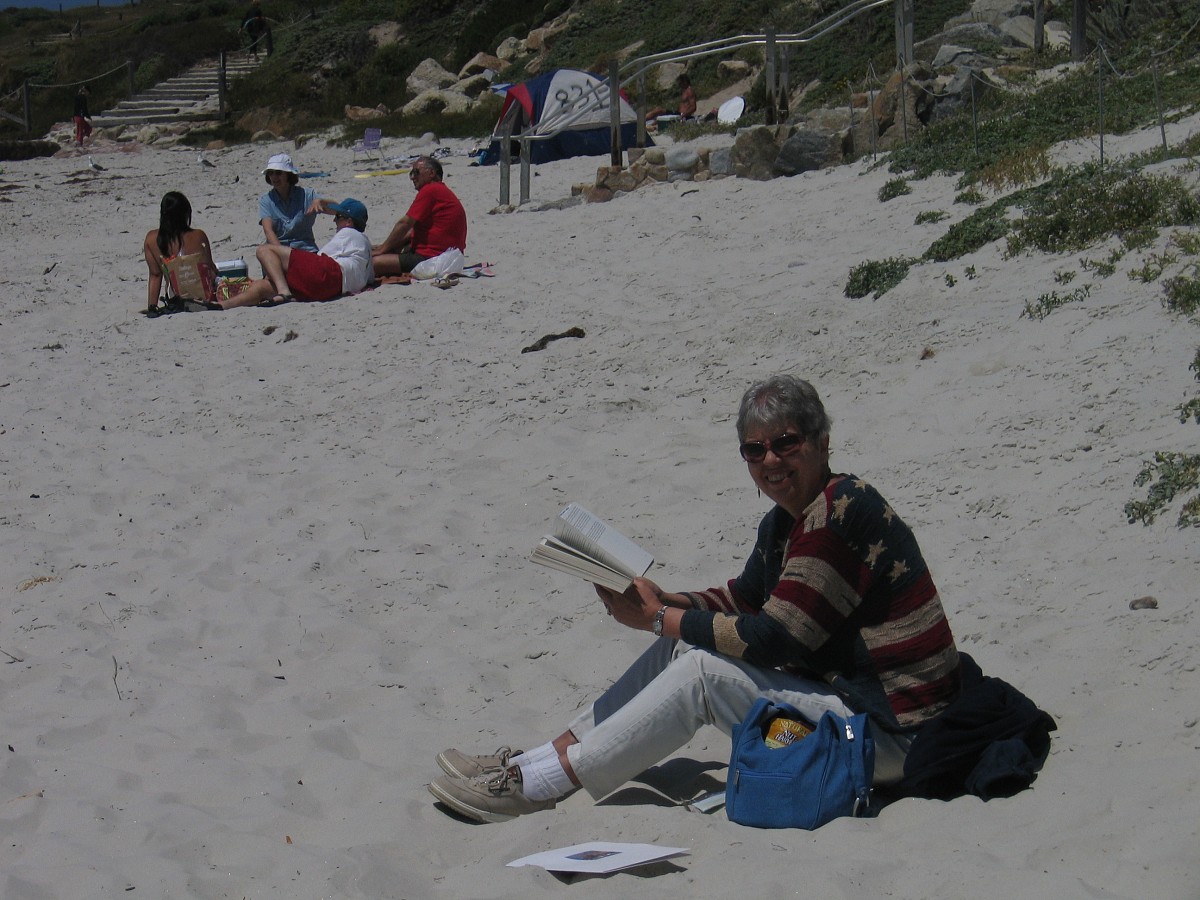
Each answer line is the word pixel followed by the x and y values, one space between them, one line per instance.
pixel 637 606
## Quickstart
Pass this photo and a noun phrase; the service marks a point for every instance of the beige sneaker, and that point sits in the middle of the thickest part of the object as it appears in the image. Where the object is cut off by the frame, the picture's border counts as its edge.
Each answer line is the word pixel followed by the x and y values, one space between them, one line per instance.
pixel 460 765
pixel 494 796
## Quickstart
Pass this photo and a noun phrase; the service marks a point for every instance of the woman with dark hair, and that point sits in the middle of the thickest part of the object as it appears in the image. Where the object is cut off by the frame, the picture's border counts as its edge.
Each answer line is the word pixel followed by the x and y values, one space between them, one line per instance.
pixel 173 237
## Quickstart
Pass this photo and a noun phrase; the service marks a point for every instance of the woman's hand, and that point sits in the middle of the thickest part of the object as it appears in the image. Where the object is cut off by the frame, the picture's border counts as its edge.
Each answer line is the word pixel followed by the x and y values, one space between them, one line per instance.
pixel 638 605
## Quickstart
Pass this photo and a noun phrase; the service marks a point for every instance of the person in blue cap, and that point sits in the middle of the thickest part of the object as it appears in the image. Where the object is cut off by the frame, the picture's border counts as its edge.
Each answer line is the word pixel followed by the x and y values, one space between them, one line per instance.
pixel 343 266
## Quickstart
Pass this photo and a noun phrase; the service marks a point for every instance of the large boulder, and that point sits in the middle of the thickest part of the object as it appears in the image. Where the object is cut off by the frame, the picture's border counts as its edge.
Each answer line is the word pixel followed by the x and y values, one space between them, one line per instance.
pixel 365 113
pixel 386 33
pixel 667 74
pixel 510 48
pixel 480 63
pixel 754 153
pixel 954 55
pixel 808 150
pixel 682 163
pixel 437 101
pixel 720 162
pixel 541 39
pixel 472 86
pixel 1020 30
pixel 965 84
pixel 975 36
pixel 429 76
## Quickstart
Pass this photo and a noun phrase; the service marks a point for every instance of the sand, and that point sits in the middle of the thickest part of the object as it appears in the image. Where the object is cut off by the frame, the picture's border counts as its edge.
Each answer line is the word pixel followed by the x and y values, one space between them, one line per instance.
pixel 258 567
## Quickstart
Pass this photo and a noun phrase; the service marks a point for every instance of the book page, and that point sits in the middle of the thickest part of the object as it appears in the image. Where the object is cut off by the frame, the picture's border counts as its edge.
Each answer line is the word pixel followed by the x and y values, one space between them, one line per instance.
pixel 590 534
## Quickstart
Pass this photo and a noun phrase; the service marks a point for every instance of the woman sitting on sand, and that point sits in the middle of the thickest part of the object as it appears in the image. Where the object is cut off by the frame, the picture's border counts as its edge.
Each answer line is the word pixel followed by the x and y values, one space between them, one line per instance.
pixel 835 611
pixel 287 211
pixel 174 237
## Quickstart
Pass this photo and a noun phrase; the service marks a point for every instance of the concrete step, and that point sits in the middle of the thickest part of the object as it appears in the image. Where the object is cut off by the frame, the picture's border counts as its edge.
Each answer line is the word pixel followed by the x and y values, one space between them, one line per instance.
pixel 188 97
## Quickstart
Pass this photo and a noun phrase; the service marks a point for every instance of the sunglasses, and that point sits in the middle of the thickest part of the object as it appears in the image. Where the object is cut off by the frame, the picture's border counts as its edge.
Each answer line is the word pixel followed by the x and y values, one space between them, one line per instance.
pixel 784 445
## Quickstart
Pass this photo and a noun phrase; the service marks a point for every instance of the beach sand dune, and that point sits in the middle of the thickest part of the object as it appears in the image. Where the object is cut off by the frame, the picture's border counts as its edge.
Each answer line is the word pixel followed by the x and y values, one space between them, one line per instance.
pixel 260 566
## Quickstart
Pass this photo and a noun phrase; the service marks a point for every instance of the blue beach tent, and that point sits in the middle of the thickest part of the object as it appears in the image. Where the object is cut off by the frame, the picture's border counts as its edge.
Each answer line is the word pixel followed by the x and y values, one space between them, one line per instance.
pixel 547 101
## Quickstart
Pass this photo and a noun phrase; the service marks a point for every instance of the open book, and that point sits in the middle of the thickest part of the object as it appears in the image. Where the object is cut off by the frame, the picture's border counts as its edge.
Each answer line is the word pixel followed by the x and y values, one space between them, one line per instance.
pixel 585 546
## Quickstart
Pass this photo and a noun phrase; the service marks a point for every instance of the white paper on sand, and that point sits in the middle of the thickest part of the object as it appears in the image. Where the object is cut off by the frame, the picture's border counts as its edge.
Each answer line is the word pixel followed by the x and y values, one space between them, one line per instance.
pixel 599 857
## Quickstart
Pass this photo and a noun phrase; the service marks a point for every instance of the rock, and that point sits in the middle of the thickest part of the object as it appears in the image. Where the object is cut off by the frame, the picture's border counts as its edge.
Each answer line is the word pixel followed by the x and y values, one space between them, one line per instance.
pixel 978 36
pixel 428 76
pixel 667 75
pixel 564 203
pixel 957 94
pixel 215 145
pixel 991 12
pixel 1020 30
pixel 829 120
pixel 720 162
pixel 362 113
pixel 263 136
pixel 954 55
pixel 656 156
pixel 596 194
pixel 682 163
pixel 148 134
pixel 733 69
pixel 1058 36
pixel 629 51
pixel 473 86
pixel 541 39
pixel 437 101
pixel 754 153
pixel 807 151
pixel 510 48
pixel 386 33
pixel 616 178
pixel 480 63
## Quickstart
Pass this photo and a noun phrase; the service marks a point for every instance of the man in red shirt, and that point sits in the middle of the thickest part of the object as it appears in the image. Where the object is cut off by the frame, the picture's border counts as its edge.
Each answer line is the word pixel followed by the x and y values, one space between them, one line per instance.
pixel 435 222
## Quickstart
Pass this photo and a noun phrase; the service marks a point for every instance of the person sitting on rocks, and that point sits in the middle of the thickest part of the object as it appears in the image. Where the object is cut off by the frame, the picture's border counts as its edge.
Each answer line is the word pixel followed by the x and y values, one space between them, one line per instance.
pixel 687 101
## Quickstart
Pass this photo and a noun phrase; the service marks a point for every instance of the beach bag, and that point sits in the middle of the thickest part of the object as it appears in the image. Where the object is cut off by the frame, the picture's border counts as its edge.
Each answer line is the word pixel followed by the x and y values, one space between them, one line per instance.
pixel 448 262
pixel 804 784
pixel 228 288
pixel 190 276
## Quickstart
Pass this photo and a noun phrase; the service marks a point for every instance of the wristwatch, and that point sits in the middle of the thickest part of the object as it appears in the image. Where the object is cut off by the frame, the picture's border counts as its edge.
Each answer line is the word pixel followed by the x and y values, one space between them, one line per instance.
pixel 658 621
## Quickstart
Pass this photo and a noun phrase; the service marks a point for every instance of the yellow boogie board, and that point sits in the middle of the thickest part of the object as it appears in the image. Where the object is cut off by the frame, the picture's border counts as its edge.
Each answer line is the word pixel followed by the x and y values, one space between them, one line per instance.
pixel 383 172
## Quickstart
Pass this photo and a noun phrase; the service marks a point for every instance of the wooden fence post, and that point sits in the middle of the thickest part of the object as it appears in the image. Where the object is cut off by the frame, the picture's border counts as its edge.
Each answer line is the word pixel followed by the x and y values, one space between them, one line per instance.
pixel 614 109
pixel 769 75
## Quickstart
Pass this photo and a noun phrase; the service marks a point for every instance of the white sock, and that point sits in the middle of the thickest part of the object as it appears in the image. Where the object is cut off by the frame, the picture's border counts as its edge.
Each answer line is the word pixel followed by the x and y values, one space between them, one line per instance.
pixel 535 755
pixel 545 779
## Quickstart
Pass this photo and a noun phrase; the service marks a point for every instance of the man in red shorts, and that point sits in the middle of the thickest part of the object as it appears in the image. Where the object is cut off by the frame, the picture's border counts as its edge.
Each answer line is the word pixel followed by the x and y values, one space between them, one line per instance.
pixel 343 266
pixel 434 223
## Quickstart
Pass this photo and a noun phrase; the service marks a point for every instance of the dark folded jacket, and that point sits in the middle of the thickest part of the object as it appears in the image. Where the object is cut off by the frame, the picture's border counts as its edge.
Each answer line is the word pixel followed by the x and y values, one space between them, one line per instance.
pixel 990 742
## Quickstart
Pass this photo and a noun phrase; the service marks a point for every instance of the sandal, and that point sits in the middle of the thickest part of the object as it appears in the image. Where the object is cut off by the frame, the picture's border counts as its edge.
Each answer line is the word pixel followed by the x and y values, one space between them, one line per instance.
pixel 277 300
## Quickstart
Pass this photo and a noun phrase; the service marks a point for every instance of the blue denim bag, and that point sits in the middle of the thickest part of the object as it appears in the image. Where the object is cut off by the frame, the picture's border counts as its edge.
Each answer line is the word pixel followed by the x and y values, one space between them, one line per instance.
pixel 806 784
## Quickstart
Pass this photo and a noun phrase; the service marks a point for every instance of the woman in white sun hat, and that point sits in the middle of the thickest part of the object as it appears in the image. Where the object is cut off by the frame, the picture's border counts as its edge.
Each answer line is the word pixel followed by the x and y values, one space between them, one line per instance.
pixel 287 211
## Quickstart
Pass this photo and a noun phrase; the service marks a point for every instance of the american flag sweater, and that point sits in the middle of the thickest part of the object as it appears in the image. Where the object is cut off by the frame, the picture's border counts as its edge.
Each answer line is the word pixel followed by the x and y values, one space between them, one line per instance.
pixel 843 595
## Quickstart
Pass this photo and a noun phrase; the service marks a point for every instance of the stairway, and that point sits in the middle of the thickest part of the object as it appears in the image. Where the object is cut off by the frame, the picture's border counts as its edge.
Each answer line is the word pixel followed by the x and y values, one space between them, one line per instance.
pixel 189 97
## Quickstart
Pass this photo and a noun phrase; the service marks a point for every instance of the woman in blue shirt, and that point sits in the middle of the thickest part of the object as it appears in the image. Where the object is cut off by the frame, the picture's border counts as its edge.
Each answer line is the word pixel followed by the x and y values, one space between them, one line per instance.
pixel 287 212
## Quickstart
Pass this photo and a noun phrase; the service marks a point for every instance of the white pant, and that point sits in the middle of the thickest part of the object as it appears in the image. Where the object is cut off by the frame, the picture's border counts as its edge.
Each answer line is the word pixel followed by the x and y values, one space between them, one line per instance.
pixel 673 689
